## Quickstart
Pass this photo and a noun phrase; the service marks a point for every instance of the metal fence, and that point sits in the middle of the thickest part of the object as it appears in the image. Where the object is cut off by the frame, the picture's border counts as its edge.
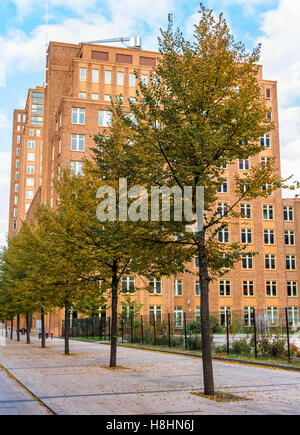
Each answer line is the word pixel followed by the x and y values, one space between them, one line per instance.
pixel 271 333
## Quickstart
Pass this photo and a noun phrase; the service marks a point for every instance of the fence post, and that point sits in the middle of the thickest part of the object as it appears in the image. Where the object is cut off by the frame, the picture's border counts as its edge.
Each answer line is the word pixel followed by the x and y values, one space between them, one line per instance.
pixel 101 328
pixel 227 332
pixel 255 335
pixel 142 330
pixel 131 328
pixel 185 335
pixel 288 334
pixel 109 329
pixel 154 328
pixel 169 328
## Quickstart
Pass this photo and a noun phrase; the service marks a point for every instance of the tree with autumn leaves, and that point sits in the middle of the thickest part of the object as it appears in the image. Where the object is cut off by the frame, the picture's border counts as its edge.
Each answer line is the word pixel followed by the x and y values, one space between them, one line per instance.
pixel 201 111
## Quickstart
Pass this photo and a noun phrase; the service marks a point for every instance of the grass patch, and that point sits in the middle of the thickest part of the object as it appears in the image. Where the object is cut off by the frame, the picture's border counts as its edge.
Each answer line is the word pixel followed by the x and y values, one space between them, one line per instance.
pixel 221 397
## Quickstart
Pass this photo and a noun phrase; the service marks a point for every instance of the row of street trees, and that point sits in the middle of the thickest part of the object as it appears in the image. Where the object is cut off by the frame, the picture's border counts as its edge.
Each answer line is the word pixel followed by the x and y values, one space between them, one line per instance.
pixel 203 109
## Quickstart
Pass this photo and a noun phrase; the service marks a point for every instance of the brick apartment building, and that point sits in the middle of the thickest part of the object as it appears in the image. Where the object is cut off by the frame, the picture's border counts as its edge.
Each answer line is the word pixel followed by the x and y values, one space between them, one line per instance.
pixel 80 79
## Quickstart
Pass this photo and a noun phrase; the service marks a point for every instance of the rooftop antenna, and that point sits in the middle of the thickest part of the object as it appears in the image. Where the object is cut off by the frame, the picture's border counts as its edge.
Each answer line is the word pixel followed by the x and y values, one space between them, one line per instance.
pixel 135 42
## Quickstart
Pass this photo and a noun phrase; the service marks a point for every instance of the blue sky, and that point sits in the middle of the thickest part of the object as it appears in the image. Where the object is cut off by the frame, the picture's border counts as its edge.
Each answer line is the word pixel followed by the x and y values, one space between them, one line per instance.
pixel 23 37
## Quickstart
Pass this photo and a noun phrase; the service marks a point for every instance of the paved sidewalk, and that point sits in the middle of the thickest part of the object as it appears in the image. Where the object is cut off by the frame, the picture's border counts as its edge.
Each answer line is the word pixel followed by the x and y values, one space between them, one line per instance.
pixel 15 400
pixel 148 383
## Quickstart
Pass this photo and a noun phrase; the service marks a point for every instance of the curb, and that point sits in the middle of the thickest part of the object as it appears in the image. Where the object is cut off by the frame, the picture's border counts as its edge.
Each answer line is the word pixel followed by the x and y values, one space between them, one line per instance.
pixel 5 370
pixel 215 358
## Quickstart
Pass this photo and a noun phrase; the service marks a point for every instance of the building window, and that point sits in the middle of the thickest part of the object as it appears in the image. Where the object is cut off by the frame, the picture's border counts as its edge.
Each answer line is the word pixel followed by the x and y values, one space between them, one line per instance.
pixel 293 316
pixel 104 118
pixel 29 194
pixel 19 117
pixel 82 74
pixel 78 115
pixel 272 313
pixel 155 312
pixel 77 142
pixel 270 262
pixel 15 212
pixel 222 209
pixel 128 284
pixel 120 78
pixel 95 96
pixel 223 188
pixel 196 261
pixel 108 77
pixel 247 261
pixel 269 116
pixel 38 133
pixel 18 139
pixel 16 200
pixel 264 161
pixel 246 235
pixel 82 95
pixel 248 288
pixel 248 316
pixel 30 157
pixel 132 80
pixel 246 211
pixel 292 289
pixel 17 175
pixel 31 144
pixel 131 100
pixel 178 317
pixel 29 182
pixel 178 290
pixel 289 238
pixel 76 168
pixel 268 94
pixel 244 164
pixel 15 225
pixel 268 212
pixel 37 97
pixel 36 120
pixel 288 214
pixel 290 262
pixel 95 76
pixel 30 169
pixel 16 188
pixel 17 152
pixel 271 288
pixel 155 285
pixel 265 141
pixel 17 163
pixel 120 98
pixel 197 287
pixel 37 109
pixel 225 288
pixel 223 235
pixel 269 237
pixel 27 206
pixel 145 79
pixel 268 189
pixel 223 317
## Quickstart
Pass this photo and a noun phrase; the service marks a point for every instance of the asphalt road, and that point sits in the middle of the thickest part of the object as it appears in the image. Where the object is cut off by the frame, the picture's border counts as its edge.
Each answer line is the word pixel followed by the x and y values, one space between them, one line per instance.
pixel 15 400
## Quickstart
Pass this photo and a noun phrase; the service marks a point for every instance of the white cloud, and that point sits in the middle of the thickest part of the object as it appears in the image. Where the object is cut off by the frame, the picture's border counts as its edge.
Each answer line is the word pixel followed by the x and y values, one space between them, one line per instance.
pixel 4 194
pixel 4 122
pixel 25 7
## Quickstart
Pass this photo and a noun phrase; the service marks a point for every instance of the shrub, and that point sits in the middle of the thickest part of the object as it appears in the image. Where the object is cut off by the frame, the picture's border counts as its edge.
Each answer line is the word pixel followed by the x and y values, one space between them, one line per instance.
pixel 270 345
pixel 163 340
pixel 241 346
pixel 177 341
pixel 194 342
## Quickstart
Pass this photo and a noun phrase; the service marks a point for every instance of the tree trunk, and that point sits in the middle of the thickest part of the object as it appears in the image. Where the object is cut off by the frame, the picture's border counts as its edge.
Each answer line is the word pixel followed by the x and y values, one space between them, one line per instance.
pixel 27 330
pixel 67 329
pixel 11 328
pixel 43 340
pixel 114 317
pixel 6 332
pixel 208 378
pixel 18 327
